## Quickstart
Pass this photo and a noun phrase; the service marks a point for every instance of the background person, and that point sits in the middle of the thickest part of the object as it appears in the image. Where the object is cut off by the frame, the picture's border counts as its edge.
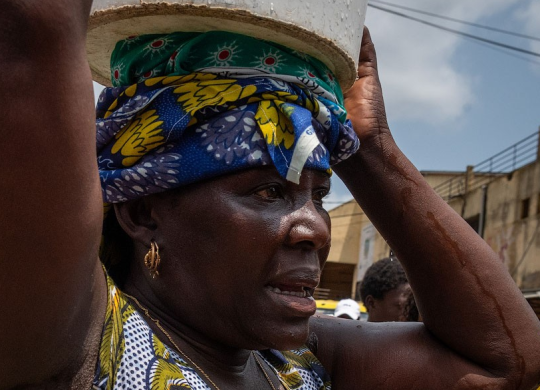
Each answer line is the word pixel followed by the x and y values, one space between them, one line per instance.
pixel 410 310
pixel 228 306
pixel 347 308
pixel 385 290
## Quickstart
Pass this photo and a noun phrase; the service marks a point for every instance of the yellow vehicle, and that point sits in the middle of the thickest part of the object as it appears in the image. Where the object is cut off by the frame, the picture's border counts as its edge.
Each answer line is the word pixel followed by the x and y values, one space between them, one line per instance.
pixel 327 306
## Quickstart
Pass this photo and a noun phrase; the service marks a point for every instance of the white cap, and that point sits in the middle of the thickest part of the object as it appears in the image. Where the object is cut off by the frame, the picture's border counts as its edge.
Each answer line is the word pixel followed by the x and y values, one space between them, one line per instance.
pixel 348 307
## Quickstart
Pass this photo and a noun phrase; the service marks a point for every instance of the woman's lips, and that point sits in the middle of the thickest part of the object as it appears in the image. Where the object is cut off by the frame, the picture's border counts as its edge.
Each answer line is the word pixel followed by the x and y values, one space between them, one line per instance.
pixel 299 303
pixel 297 291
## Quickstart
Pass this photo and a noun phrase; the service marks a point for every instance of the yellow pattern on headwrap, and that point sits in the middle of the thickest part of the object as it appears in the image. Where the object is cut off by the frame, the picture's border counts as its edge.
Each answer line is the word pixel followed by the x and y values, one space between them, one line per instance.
pixel 197 95
pixel 275 126
pixel 136 140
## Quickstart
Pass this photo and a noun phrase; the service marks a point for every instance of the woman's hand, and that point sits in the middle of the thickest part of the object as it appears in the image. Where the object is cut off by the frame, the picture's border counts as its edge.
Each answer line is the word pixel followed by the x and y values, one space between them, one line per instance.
pixel 364 101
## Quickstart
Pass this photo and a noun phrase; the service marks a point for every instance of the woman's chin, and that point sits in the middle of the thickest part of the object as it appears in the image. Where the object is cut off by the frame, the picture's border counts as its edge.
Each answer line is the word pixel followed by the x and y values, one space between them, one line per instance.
pixel 285 339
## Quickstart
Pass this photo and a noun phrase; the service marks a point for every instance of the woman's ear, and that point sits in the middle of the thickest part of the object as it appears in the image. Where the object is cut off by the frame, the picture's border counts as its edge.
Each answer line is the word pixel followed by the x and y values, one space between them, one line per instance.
pixel 369 303
pixel 135 217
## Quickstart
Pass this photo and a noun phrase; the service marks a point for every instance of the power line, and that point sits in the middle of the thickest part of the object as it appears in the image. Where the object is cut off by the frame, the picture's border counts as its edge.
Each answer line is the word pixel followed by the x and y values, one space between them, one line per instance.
pixel 471 36
pixel 503 51
pixel 457 20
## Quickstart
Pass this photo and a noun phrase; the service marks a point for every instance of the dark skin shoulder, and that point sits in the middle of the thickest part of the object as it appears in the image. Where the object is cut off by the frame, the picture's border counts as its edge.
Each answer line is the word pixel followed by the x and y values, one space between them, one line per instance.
pixel 394 355
pixel 52 292
pixel 478 330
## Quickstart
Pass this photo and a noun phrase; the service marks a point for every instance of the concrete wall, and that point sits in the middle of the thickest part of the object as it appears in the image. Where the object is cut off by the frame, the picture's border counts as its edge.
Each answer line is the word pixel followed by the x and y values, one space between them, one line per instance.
pixel 348 222
pixel 512 232
pixel 434 178
pixel 512 221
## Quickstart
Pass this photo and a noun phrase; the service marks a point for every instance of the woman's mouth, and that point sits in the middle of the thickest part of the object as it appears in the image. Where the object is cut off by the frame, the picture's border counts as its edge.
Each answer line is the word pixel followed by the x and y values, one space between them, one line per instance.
pixel 292 293
pixel 296 291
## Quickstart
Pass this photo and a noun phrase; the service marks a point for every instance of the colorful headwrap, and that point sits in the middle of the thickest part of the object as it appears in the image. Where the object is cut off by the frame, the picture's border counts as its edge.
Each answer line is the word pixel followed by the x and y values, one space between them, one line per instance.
pixel 190 106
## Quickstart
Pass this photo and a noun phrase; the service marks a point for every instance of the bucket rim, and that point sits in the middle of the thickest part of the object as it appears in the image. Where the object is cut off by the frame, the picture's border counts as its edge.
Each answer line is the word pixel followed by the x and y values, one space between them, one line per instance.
pixel 107 27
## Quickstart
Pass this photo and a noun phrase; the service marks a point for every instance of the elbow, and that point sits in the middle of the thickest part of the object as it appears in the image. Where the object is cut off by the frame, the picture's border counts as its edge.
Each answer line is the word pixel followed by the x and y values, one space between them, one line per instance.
pixel 49 35
pixel 527 372
pixel 40 27
pixel 523 372
pixel 531 375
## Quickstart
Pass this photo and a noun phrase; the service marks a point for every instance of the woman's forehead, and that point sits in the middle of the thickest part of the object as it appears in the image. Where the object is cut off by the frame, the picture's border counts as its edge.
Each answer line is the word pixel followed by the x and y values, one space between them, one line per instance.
pixel 270 173
pixel 251 177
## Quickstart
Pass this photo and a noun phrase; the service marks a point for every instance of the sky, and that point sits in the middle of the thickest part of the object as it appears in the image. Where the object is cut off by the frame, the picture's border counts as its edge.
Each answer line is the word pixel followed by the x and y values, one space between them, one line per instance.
pixel 452 102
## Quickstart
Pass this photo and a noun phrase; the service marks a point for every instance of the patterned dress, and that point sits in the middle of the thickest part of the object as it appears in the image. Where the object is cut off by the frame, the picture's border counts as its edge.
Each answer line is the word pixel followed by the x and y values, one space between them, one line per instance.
pixel 133 358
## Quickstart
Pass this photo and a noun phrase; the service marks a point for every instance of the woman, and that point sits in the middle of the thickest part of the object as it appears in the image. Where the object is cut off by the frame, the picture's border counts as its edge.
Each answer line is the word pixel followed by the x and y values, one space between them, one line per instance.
pixel 240 254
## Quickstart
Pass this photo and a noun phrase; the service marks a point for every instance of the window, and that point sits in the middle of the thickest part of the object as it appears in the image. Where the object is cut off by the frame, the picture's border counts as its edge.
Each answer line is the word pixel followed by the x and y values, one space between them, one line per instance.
pixel 525 203
pixel 474 222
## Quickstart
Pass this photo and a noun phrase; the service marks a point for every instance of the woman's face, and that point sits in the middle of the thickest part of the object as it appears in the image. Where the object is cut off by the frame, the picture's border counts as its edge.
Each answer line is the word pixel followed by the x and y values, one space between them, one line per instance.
pixel 241 256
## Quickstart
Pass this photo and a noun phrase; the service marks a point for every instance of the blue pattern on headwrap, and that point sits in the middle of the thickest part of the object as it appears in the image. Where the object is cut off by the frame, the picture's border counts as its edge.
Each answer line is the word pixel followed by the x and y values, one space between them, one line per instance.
pixel 165 132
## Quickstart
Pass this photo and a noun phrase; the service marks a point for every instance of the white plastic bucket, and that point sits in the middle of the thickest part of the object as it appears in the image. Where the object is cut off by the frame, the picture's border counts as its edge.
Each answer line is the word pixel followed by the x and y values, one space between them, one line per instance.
pixel 330 30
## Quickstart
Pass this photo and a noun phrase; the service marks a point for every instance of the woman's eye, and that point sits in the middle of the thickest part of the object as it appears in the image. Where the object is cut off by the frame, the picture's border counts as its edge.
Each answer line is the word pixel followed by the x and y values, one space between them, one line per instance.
pixel 319 195
pixel 273 192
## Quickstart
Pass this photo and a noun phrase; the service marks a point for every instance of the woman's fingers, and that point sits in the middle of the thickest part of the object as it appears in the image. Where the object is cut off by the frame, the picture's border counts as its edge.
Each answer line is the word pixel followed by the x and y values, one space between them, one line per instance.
pixel 364 101
pixel 367 63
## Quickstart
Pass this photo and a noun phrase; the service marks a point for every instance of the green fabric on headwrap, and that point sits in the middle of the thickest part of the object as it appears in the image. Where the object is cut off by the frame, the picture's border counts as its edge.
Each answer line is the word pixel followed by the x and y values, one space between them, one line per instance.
pixel 139 58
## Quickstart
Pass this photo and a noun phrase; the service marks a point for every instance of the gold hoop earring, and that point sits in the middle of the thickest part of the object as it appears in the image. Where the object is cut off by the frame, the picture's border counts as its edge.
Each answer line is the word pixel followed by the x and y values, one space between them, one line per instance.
pixel 152 259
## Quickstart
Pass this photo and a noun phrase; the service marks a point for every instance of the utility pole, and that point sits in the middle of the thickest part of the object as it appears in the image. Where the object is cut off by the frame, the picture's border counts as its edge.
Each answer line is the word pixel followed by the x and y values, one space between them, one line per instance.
pixel 538 146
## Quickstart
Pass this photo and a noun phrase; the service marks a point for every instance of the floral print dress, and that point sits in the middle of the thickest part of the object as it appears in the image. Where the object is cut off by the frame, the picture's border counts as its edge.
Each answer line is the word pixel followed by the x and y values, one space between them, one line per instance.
pixel 132 357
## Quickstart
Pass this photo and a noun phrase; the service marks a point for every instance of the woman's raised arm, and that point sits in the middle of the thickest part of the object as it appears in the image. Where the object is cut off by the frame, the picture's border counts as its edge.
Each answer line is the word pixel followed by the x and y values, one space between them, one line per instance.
pixel 51 285
pixel 479 330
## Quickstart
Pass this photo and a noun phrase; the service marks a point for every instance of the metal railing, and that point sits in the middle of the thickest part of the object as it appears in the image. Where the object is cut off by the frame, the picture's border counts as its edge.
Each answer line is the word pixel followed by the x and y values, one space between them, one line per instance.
pixel 503 163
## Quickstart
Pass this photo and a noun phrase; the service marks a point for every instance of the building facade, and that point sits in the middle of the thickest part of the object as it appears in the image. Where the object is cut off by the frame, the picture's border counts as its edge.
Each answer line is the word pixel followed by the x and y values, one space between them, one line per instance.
pixel 499 198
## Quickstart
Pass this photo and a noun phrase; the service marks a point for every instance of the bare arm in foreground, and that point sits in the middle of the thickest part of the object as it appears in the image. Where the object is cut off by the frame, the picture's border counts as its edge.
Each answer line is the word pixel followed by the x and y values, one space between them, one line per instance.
pixel 479 331
pixel 51 284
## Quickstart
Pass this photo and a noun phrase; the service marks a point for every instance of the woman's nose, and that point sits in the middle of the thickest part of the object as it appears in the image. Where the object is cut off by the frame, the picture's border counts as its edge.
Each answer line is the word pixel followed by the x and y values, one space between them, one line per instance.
pixel 309 228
